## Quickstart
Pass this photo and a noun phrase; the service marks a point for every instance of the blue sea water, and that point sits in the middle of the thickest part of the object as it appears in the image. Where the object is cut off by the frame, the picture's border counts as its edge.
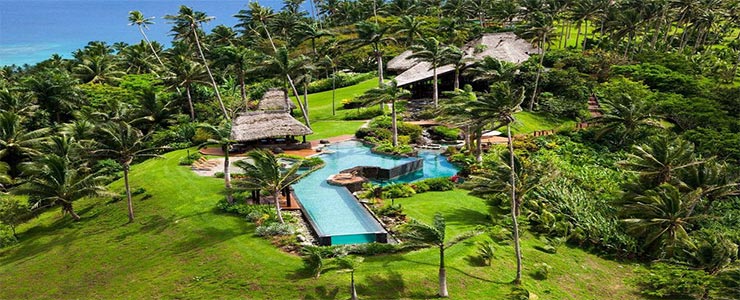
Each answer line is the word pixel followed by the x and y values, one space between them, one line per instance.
pixel 33 30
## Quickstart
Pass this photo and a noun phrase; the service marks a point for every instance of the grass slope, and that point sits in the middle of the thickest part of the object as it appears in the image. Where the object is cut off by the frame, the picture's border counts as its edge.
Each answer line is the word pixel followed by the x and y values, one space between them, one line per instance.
pixel 181 247
pixel 323 122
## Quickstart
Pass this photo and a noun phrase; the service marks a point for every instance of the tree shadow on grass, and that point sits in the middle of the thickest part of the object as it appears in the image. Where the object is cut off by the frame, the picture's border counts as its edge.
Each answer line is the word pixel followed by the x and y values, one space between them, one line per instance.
pixel 452 268
pixel 384 286
pixel 208 236
pixel 321 293
pixel 466 216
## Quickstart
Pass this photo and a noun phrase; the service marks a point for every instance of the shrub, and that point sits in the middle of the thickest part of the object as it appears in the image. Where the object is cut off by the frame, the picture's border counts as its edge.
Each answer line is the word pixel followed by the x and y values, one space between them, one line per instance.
pixel 420 187
pixel 219 175
pixel 109 167
pixel 668 281
pixel 398 191
pixel 401 149
pixel 445 133
pixel 312 162
pixel 438 184
pixel 391 211
pixel 190 158
pixel 364 114
pixel 6 236
pixel 486 252
pixel 541 271
pixel 274 229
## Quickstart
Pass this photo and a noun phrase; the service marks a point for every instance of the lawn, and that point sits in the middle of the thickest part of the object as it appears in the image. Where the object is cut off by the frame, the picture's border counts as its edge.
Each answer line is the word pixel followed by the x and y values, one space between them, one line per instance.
pixel 528 122
pixel 181 247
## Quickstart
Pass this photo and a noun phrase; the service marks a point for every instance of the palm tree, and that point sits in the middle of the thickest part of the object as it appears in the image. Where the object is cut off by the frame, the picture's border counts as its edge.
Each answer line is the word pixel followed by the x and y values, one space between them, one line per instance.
pixel 125 143
pixel 350 264
pixel 263 171
pixel 625 116
pixel 185 73
pixel 18 102
pixel 372 34
pixel 257 17
pixel 503 102
pixel 383 94
pixel 187 24
pixel 136 59
pixel 433 235
pixel 284 67
pixel 240 59
pixel 56 92
pixel 17 144
pixel 659 216
pixel 138 19
pixel 411 28
pixel 311 31
pixel 431 52
pixel 661 161
pixel 540 33
pixel 156 110
pixel 491 70
pixel 458 59
pixel 221 135
pixel 54 180
pixel 714 179
pixel 98 69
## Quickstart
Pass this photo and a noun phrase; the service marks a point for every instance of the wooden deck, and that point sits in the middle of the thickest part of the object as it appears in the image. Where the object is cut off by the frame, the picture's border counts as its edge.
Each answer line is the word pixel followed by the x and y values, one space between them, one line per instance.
pixel 216 151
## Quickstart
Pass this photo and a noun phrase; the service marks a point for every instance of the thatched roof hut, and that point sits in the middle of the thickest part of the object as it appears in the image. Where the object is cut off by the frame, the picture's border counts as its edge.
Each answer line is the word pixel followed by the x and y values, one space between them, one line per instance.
pixel 505 46
pixel 256 125
pixel 271 119
pixel 274 99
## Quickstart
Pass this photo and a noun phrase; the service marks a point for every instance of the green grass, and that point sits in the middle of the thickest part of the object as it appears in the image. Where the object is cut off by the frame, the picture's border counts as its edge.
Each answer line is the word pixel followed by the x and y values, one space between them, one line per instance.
pixel 528 122
pixel 327 129
pixel 323 122
pixel 319 104
pixel 181 247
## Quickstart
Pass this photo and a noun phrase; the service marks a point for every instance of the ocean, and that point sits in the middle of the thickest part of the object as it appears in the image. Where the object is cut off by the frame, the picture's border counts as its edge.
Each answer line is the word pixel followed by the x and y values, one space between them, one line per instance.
pixel 32 30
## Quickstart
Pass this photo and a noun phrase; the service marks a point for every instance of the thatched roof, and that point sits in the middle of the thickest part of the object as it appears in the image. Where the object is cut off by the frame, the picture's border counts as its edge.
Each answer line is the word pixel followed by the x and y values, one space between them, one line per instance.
pixel 504 46
pixel 255 125
pixel 274 99
pixel 401 62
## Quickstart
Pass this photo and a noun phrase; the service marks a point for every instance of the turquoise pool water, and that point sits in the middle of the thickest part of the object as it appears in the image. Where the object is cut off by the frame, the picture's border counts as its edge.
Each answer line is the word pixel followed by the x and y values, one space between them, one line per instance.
pixel 334 210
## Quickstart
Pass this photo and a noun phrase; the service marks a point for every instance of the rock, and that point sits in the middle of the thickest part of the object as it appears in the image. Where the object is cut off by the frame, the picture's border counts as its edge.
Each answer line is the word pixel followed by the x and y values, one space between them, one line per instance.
pixel 324 142
pixel 300 238
pixel 278 150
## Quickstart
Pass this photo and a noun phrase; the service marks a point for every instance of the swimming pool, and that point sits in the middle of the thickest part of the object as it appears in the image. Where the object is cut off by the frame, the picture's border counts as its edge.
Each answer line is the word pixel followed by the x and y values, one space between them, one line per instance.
pixel 333 210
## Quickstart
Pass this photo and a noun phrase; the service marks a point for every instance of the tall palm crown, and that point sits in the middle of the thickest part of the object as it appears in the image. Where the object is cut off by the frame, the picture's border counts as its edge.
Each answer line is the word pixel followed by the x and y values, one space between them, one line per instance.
pixel 55 181
pixel 434 235
pixel 625 116
pixel 16 142
pixel 661 161
pixel 125 143
pixel 184 73
pixel 659 217
pixel 411 28
pixel 492 70
pixel 369 33
pixel 452 55
pixel 263 171
pixel 138 19
pixel 431 51
pixel 387 93
pixel 186 25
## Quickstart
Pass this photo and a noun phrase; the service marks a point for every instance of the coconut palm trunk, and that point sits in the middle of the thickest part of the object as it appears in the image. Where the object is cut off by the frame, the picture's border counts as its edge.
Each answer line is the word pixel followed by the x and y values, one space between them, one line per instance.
pixel 514 208
pixel 436 87
pixel 352 288
pixel 208 69
pixel 275 194
pixel 539 73
pixel 141 29
pixel 479 144
pixel 227 175
pixel 129 202
pixel 394 125
pixel 379 58
pixel 290 80
pixel 67 207
pixel 243 89
pixel 442 273
pixel 190 102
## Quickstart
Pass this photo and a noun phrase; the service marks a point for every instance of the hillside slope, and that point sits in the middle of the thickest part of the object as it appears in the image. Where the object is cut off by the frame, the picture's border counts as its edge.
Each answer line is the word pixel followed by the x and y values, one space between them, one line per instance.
pixel 181 247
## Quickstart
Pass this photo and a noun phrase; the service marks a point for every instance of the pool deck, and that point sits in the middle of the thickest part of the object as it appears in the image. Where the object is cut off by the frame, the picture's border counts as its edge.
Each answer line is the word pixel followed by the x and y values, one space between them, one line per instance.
pixel 216 151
